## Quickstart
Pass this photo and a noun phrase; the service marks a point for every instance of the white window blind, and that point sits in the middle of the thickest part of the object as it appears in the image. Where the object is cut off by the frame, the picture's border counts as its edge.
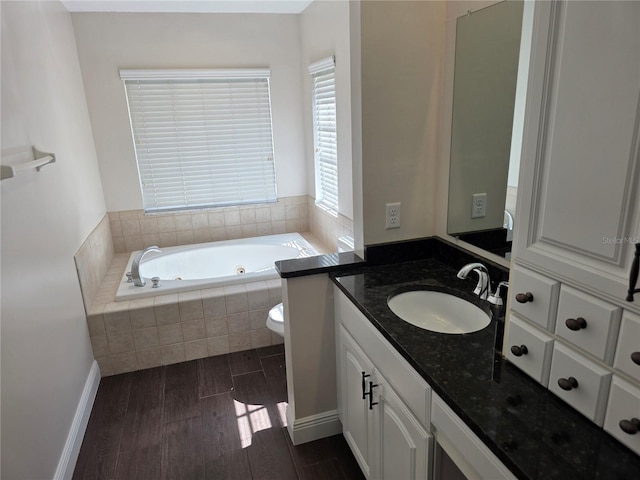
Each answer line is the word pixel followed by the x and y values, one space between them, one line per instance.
pixel 202 138
pixel 324 129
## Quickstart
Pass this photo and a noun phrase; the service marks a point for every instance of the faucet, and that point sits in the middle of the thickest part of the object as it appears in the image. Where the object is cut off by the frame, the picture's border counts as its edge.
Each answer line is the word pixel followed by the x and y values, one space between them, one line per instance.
pixel 135 266
pixel 483 288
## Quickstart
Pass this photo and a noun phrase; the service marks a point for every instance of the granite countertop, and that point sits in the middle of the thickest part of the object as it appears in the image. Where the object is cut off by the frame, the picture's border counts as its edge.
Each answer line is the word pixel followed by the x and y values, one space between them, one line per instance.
pixel 534 433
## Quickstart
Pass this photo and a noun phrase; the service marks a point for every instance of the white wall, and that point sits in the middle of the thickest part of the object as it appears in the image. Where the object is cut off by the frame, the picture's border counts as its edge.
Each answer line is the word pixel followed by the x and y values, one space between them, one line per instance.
pixel 110 41
pixel 324 31
pixel 46 354
pixel 402 46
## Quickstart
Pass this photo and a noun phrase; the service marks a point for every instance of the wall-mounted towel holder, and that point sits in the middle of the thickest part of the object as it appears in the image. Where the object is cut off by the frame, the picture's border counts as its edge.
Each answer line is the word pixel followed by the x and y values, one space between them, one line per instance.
pixel 40 160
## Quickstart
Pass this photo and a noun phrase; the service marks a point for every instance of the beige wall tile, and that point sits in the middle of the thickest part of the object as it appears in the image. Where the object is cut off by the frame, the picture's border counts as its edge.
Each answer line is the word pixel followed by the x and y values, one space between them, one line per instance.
pixel 233 231
pixel 166 223
pixel 216 326
pixel 194 330
pixel 249 230
pixel 184 237
pixel 258 299
pixel 131 227
pixel 238 322
pixel 214 305
pixel 236 302
pixel 172 353
pixel 118 245
pixel 191 310
pixel 120 342
pixel 96 325
pixel 291 212
pixel 277 213
pixel 239 341
pixel 276 339
pixel 218 234
pixel 196 349
pixel 116 228
pixel 116 321
pixel 123 362
pixel 149 358
pixel 231 218
pixel 133 243
pixel 260 338
pixel 263 229
pixel 146 338
pixel 149 225
pixel 142 317
pixel 200 221
pixel 216 219
pixel 151 239
pixel 129 214
pixel 168 239
pixel 202 236
pixel 183 222
pixel 258 318
pixel 263 214
pixel 105 366
pixel 247 216
pixel 292 225
pixel 100 346
pixel 278 227
pixel 218 345
pixel 168 334
pixel 166 313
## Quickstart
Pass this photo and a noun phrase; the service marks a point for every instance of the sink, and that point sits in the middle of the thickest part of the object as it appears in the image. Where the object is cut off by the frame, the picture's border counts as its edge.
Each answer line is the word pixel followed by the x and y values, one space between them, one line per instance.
pixel 438 312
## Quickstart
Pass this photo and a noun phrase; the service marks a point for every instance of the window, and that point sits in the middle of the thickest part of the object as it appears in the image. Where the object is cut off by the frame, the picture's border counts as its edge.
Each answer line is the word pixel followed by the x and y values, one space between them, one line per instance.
pixel 202 138
pixel 324 133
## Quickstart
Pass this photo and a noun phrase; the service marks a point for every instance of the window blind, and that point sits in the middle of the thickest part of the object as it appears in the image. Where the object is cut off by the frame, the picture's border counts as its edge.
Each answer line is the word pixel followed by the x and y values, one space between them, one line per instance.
pixel 325 137
pixel 202 138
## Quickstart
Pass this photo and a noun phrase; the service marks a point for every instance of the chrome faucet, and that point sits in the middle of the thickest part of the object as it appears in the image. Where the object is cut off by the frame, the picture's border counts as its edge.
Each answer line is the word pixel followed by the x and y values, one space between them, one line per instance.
pixel 483 288
pixel 135 266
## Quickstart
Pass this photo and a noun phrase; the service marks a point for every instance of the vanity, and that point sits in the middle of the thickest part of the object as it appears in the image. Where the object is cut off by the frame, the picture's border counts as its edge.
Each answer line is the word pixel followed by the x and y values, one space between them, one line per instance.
pixel 417 404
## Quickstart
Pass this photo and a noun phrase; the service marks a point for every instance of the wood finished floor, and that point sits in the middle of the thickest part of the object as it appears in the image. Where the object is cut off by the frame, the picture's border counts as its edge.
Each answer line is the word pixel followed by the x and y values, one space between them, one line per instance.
pixel 214 418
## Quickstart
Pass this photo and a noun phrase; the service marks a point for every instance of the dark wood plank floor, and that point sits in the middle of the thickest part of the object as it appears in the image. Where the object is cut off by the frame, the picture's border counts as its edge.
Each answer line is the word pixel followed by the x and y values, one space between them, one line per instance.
pixel 214 418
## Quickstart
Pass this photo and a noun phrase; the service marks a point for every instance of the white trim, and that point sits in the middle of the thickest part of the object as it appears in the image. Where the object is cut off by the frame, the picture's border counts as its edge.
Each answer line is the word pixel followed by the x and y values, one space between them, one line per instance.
pixel 69 457
pixel 321 65
pixel 313 427
pixel 193 73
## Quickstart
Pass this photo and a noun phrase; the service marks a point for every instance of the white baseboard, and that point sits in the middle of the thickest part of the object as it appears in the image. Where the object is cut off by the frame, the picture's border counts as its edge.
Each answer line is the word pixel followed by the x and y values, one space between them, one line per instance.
pixel 314 427
pixel 69 456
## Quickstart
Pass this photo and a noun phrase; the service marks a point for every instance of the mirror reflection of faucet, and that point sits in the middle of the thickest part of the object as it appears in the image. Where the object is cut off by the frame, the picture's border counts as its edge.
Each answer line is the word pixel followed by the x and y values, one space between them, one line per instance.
pixel 135 266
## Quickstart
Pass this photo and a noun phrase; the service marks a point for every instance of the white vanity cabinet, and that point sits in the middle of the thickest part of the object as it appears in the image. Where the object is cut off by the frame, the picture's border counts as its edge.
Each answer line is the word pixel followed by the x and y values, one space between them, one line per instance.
pixel 386 409
pixel 379 422
pixel 578 212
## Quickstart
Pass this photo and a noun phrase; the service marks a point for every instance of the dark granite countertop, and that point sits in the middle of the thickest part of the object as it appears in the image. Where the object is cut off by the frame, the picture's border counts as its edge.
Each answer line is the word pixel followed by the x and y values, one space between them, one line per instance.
pixel 534 433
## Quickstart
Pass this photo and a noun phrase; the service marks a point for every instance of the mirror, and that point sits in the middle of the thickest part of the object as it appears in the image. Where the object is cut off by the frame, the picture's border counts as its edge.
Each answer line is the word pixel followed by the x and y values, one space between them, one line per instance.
pixel 482 183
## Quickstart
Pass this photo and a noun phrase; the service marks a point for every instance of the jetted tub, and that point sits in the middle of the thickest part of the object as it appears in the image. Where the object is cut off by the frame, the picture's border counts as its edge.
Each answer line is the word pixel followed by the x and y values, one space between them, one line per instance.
pixel 214 264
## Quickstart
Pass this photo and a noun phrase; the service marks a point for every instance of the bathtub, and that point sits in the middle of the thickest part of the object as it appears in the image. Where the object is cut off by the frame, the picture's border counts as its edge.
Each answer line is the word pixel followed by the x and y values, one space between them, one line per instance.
pixel 213 264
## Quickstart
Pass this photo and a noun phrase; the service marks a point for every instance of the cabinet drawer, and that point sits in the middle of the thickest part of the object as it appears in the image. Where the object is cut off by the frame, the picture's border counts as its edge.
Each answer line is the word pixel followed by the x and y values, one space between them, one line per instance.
pixel 628 345
pixel 541 309
pixel 588 323
pixel 588 393
pixel 529 349
pixel 624 404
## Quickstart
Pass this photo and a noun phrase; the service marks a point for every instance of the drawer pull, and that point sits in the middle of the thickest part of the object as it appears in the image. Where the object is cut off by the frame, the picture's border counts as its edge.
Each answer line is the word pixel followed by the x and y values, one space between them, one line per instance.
pixel 635 358
pixel 364 395
pixel 370 394
pixel 518 351
pixel 575 324
pixel 524 297
pixel 630 427
pixel 567 383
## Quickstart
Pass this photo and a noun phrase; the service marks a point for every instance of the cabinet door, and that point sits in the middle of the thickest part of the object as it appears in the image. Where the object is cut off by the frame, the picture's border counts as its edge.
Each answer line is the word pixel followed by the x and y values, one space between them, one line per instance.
pixel 357 423
pixel 578 210
pixel 403 446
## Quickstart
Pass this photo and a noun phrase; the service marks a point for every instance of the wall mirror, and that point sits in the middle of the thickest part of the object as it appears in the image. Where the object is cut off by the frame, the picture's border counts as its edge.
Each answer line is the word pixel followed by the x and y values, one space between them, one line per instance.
pixel 482 183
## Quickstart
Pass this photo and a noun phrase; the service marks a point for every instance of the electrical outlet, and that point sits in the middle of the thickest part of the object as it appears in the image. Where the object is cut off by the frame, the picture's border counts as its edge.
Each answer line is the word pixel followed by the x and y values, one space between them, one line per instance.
pixel 393 215
pixel 479 205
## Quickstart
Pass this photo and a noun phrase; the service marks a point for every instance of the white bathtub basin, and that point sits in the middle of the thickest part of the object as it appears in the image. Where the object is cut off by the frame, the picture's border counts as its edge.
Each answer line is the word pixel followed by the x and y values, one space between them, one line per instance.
pixel 438 312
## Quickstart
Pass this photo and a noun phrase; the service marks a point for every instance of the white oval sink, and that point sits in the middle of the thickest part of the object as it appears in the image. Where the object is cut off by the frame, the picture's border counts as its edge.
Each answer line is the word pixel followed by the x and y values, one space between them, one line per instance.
pixel 438 312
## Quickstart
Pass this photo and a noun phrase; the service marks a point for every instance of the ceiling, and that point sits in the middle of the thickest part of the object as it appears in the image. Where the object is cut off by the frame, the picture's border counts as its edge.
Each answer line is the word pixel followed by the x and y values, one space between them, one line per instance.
pixel 188 6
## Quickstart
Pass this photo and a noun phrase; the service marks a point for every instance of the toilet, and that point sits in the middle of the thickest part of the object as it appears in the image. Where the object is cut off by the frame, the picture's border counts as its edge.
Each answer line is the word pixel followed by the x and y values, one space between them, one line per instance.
pixel 275 319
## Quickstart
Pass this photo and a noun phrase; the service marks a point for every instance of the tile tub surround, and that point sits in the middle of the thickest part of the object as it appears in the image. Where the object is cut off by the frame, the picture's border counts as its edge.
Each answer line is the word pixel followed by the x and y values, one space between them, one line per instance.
pixel 92 261
pixel 326 227
pixel 134 230
pixel 150 332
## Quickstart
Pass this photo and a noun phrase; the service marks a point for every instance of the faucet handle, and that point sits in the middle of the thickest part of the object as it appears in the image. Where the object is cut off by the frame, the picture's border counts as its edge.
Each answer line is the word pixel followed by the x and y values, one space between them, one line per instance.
pixel 129 277
pixel 497 298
